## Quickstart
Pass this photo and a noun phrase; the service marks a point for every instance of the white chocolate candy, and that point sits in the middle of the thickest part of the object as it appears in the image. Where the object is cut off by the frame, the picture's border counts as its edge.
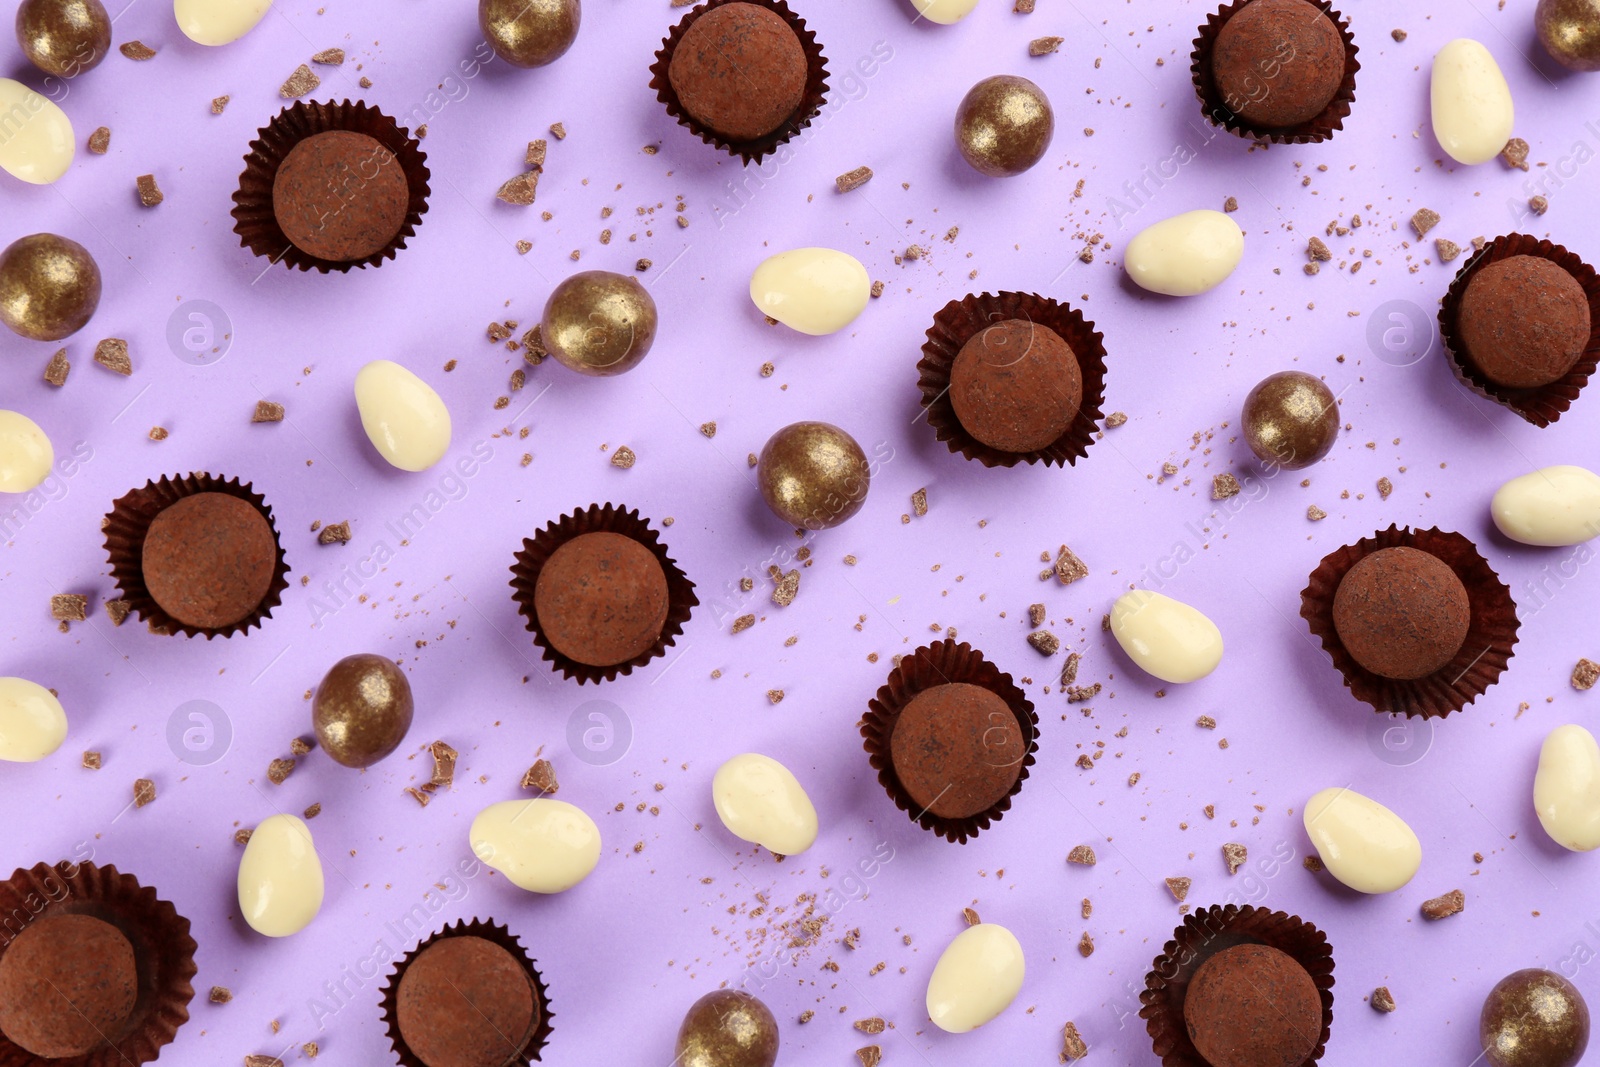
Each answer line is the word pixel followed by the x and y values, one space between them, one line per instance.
pixel 32 723
pixel 760 801
pixel 977 977
pixel 25 453
pixel 1472 110
pixel 812 290
pixel 1166 637
pixel 36 139
pixel 1566 788
pixel 542 845
pixel 1362 843
pixel 1186 254
pixel 218 21
pixel 280 877
pixel 945 11
pixel 1554 506
pixel 405 419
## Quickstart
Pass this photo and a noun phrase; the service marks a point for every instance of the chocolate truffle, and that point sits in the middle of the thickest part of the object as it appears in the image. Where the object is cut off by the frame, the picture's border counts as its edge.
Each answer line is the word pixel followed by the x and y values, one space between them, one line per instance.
pixel 1278 63
pixel 1004 125
pixel 1570 32
pixel 1291 419
pixel 68 984
pixel 1534 1018
pixel 49 286
pixel 601 599
pixel 1401 613
pixel 362 709
pixel 340 196
pixel 529 33
pixel 1524 321
pixel 813 475
pixel 1016 386
pixel 739 70
pixel 64 37
pixel 209 560
pixel 957 749
pixel 1253 1006
pixel 466 1002
pixel 727 1028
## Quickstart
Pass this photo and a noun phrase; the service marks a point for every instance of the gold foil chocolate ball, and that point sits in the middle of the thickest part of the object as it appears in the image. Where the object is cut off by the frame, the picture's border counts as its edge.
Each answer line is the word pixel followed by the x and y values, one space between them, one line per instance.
pixel 1534 1018
pixel 1004 125
pixel 1570 32
pixel 727 1028
pixel 599 323
pixel 529 33
pixel 362 710
pixel 49 286
pixel 813 475
pixel 64 37
pixel 1290 420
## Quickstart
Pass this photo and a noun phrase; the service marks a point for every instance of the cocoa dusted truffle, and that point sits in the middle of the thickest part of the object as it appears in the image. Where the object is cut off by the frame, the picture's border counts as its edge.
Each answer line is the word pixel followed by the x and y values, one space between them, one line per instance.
pixel 957 749
pixel 1278 63
pixel 340 196
pixel 1016 386
pixel 467 1002
pixel 68 986
pixel 209 560
pixel 740 70
pixel 1253 1006
pixel 602 599
pixel 1524 321
pixel 1402 613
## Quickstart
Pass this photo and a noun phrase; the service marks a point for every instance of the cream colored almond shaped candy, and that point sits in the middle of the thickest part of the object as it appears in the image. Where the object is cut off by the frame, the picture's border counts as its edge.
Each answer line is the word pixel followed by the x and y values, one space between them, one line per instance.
pixel 1185 255
pixel 25 453
pixel 405 420
pixel 36 139
pixel 813 290
pixel 1556 506
pixel 1472 111
pixel 217 22
pixel 280 877
pixel 1566 788
pixel 945 12
pixel 1166 637
pixel 760 801
pixel 1362 843
pixel 977 977
pixel 32 722
pixel 542 845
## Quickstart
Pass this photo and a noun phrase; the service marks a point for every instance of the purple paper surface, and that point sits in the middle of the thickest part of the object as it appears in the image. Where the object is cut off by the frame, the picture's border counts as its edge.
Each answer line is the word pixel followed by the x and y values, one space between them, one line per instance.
pixel 677 907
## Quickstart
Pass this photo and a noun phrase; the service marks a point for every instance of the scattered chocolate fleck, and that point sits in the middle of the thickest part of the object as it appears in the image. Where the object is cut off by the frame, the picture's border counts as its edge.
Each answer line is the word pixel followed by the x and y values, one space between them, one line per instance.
pixel 149 193
pixel 919 502
pixel 335 534
pixel 1424 220
pixel 221 994
pixel 1086 945
pixel 1081 854
pixel 1312 864
pixel 970 917
pixel 1452 903
pixel 310 1047
pixel 112 354
pixel 301 82
pixel 241 837
pixel 1223 486
pixel 219 103
pixel 1043 46
pixel 775 696
pixel 853 179
pixel 1179 888
pixel 1073 1046
pixel 1115 419
pixel 1068 567
pixel 1385 487
pixel 807 1015
pixel 1206 722
pixel 524 247
pixel 1515 153
pixel 1085 762
pixel 278 771
pixel 56 371
pixel 69 607
pixel 871 1026
pixel 1235 854
pixel 1069 669
pixel 784 591
pixel 144 791
pixel 1077 694
pixel 418 795
pixel 1230 205
pixel 137 50
pixel 1398 35
pixel 709 429
pixel 742 623
pixel 313 811
pixel 299 746
pixel 329 57
pixel 1382 1000
pixel 541 778
pixel 100 140
pixel 1045 642
pixel 642 265
pixel 1023 7
pixel 1538 205
pixel 1315 514
pixel 366 83
pixel 444 763
pixel 877 289
pixel 520 190
pixel 91 760
pixel 1087 908
pixel 1585 674
pixel 623 457
pixel 559 132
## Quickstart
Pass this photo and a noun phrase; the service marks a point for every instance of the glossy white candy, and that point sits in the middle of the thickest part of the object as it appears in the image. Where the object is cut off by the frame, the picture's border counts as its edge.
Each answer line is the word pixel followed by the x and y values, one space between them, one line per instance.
pixel 218 21
pixel 1186 254
pixel 760 801
pixel 1472 112
pixel 25 453
pixel 1362 843
pixel 1166 637
pixel 977 977
pixel 32 722
pixel 1553 506
pixel 405 419
pixel 944 11
pixel 812 290
pixel 542 845
pixel 1566 788
pixel 280 877
pixel 36 140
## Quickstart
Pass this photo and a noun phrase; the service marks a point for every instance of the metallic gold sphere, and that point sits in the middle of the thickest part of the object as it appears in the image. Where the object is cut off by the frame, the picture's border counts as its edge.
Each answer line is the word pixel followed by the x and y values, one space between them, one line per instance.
pixel 1570 32
pixel 1291 420
pixel 49 286
pixel 599 323
pixel 1534 1018
pixel 728 1028
pixel 362 709
pixel 529 33
pixel 1004 125
pixel 813 475
pixel 64 37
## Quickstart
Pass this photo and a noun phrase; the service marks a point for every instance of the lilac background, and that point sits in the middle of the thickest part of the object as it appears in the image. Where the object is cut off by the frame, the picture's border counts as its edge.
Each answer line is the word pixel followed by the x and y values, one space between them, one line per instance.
pixel 625 953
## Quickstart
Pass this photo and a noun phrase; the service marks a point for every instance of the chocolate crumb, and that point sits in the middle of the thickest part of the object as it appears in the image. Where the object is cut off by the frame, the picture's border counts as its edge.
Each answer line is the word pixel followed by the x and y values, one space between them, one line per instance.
pixel 1115 419
pixel 919 502
pixel 221 994
pixel 137 50
pixel 1312 864
pixel 1385 487
pixel 278 771
pixel 642 265
pixel 877 289
pixel 1087 908
pixel 807 1015
pixel 1068 567
pixel 775 696
pixel 1585 674
pixel 871 1026
pixel 1230 205
pixel 301 82
pixel 970 917
pixel 1424 220
pixel 1082 855
pixel 241 837
pixel 1206 722
pixel 1069 669
pixel 870 1056
pixel 853 179
pixel 783 593
pixel 1235 855
pixel 1316 250
pixel 1073 1047
pixel 329 57
pixel 623 457
pixel 366 83
pixel 1223 486
pixel 709 429
pixel 1452 903
pixel 1086 945
pixel 444 763
pixel 335 534
pixel 1077 694
pixel 742 623
pixel 1045 642
pixel 299 746
pixel 1036 614
pixel 1538 205
pixel 541 778
pixel 144 792
pixel 56 371
pixel 559 132
pixel 1448 249
pixel 262 1061
pixel 1043 46
pixel 1023 7
pixel 112 354
pixel 100 140
pixel 313 811
pixel 1179 888
pixel 149 193
pixel 418 795
pixel 91 761
pixel 1315 514
pixel 520 190
pixel 1515 153
pixel 1398 35
pixel 69 607
pixel 219 104
pixel 118 610
pixel 1382 1000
